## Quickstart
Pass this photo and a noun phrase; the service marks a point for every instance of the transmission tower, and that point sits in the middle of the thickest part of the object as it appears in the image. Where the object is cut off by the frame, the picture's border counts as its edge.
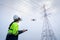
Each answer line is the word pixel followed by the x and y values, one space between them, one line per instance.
pixel 47 32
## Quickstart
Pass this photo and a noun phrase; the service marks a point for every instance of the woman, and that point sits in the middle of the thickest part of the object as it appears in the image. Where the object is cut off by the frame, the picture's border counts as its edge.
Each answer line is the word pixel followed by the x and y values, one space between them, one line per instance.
pixel 13 31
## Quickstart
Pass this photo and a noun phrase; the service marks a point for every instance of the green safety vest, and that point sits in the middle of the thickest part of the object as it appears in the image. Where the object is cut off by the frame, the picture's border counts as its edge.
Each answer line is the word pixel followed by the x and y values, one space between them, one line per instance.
pixel 13 29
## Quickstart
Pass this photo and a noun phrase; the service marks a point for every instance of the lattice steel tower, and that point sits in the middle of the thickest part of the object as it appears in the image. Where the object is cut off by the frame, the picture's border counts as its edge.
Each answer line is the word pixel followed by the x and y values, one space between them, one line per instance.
pixel 47 32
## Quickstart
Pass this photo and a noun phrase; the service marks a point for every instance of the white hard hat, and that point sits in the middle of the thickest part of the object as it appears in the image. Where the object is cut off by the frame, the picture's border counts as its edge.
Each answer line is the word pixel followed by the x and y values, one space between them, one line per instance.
pixel 15 17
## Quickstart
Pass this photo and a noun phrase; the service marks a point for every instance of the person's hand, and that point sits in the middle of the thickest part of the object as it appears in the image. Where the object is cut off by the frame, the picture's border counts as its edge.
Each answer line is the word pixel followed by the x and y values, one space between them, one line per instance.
pixel 24 30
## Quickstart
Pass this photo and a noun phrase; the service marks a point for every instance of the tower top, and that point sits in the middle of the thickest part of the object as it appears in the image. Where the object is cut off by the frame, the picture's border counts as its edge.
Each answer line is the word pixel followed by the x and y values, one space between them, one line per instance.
pixel 45 11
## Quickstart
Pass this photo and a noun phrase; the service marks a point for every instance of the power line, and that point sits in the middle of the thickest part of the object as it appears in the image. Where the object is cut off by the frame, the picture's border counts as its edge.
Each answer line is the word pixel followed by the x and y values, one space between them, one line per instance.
pixel 26 2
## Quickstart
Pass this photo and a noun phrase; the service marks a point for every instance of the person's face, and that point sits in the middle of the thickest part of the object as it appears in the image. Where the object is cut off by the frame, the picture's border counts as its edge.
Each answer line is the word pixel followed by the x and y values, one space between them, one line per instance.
pixel 18 21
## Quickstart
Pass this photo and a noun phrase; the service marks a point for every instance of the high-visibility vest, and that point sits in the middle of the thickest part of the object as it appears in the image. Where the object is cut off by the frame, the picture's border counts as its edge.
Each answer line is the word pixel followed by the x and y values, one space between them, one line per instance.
pixel 13 29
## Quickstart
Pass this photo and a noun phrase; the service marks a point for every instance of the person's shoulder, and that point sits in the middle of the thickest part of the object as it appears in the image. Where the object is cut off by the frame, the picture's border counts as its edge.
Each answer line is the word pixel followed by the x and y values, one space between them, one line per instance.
pixel 15 23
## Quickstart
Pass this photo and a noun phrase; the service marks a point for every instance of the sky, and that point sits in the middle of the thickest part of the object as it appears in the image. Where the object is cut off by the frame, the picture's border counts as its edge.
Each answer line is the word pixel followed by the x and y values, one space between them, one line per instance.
pixel 28 10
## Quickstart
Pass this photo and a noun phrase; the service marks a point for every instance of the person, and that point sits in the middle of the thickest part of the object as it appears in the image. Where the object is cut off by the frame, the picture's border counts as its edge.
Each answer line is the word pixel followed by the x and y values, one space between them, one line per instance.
pixel 13 31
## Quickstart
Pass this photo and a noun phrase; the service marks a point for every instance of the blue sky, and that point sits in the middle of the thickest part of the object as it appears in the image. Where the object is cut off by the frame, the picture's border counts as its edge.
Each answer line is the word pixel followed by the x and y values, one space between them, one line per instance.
pixel 27 10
